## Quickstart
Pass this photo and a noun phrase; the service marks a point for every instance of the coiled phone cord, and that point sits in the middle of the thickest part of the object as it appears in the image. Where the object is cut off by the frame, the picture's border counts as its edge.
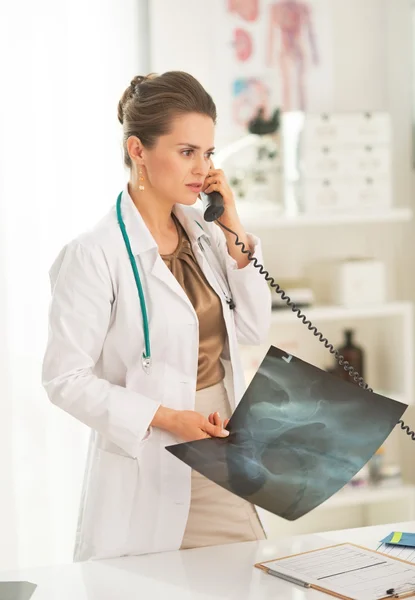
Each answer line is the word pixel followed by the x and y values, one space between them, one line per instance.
pixel 339 357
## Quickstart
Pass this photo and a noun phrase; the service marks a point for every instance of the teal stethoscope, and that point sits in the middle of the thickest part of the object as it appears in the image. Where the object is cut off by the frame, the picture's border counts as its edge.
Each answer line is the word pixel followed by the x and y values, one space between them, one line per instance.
pixel 146 357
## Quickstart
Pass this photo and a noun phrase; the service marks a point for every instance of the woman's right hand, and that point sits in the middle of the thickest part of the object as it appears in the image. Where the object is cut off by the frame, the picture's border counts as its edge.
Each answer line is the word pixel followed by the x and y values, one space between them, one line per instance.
pixel 187 425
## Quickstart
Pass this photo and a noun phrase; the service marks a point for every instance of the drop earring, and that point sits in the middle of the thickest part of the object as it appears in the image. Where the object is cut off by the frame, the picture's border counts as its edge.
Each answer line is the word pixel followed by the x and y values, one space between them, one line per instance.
pixel 140 179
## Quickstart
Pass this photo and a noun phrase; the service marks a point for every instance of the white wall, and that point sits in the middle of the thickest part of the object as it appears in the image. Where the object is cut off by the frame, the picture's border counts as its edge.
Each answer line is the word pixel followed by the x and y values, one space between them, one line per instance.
pixel 372 65
pixel 66 67
pixel 358 28
pixel 401 77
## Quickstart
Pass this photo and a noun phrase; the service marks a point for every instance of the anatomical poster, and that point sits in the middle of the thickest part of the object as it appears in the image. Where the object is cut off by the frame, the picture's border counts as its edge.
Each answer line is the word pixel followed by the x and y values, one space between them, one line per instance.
pixel 273 54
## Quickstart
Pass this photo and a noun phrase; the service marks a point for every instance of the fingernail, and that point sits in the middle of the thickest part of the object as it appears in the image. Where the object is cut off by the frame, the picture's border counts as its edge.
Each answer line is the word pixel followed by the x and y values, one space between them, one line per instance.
pixel 218 414
pixel 225 432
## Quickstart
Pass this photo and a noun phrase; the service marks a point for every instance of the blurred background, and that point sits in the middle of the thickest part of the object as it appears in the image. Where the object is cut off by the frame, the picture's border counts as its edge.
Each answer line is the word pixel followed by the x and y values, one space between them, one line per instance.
pixel 316 104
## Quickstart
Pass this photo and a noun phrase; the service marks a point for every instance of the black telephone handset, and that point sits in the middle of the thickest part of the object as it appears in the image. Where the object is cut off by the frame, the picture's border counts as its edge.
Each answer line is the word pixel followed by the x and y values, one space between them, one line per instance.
pixel 212 210
pixel 212 206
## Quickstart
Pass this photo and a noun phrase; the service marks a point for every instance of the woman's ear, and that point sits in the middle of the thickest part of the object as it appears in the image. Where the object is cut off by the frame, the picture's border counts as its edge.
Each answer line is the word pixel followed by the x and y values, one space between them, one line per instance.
pixel 135 150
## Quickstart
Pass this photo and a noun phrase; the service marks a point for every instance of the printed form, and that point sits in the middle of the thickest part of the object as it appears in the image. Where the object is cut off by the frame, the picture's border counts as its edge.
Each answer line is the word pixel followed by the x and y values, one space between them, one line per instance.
pixel 349 571
pixel 402 552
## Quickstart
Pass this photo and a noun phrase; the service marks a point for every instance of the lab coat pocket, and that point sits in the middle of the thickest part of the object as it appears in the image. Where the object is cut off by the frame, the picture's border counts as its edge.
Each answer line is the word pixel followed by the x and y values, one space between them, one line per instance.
pixel 114 480
pixel 149 384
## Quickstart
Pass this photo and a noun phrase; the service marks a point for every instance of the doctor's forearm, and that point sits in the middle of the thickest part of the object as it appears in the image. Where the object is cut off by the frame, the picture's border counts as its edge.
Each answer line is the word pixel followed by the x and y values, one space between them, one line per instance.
pixel 231 220
pixel 163 418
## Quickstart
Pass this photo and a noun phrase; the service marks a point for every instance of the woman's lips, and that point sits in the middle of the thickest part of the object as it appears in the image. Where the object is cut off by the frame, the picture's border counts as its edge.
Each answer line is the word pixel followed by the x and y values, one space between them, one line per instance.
pixel 195 187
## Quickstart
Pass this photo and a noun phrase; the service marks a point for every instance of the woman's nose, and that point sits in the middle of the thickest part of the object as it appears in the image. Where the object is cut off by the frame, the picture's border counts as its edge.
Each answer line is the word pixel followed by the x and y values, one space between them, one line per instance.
pixel 201 167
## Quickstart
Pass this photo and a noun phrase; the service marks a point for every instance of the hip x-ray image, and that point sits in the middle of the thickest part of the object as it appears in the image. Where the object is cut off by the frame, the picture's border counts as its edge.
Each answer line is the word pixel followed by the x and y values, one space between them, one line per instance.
pixel 298 435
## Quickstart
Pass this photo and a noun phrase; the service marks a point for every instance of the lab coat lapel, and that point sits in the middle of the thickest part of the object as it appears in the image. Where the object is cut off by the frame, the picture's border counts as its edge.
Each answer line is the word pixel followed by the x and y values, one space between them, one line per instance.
pixel 161 272
pixel 141 241
pixel 145 250
pixel 196 233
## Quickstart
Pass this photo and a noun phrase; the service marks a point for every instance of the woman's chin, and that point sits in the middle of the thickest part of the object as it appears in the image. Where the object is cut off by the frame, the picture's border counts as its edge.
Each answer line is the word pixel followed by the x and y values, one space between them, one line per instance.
pixel 189 199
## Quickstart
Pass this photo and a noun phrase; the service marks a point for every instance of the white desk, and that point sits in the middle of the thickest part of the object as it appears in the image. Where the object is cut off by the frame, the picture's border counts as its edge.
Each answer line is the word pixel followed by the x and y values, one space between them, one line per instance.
pixel 202 574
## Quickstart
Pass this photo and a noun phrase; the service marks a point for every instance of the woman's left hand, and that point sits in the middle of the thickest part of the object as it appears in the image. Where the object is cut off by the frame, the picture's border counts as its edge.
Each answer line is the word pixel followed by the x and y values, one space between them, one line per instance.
pixel 216 182
pixel 214 419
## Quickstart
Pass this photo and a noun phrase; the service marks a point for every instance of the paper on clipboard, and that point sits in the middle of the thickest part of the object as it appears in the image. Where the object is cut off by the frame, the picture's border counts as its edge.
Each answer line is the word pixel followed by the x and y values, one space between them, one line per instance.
pixel 403 552
pixel 347 571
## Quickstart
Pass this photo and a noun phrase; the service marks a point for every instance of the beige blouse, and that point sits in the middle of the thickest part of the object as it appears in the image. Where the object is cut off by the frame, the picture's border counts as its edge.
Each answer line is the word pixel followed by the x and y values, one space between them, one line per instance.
pixel 212 331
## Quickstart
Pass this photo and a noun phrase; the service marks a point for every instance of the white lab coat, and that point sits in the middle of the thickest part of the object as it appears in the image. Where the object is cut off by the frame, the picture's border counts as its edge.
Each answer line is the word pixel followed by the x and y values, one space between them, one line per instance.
pixel 136 495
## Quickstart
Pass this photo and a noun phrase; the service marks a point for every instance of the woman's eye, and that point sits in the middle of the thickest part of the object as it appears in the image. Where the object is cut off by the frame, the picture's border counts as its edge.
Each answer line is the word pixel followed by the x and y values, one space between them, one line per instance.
pixel 190 151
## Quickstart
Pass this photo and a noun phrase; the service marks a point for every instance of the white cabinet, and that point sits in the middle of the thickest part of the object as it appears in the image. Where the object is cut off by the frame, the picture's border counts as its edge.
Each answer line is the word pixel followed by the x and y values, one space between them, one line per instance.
pixel 396 315
pixel 347 129
pixel 369 161
pixel 342 195
pixel 344 161
pixel 385 329
pixel 326 161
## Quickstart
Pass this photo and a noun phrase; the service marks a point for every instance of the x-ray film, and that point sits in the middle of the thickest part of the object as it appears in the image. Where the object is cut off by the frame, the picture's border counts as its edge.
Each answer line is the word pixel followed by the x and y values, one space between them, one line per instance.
pixel 298 435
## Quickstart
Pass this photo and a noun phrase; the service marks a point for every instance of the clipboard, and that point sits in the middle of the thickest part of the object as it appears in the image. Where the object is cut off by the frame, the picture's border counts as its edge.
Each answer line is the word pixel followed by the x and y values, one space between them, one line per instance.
pixel 301 580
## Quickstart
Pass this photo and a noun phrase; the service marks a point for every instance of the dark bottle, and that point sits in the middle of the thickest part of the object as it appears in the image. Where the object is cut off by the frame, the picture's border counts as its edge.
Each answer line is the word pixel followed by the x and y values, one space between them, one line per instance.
pixel 353 354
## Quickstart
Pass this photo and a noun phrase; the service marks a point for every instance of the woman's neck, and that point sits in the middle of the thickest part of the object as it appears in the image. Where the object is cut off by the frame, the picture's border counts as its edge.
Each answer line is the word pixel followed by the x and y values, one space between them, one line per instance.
pixel 155 213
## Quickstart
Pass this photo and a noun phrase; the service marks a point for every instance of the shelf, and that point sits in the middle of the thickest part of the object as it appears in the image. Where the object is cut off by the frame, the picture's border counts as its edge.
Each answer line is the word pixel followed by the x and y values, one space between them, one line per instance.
pixel 368 495
pixel 399 397
pixel 337 313
pixel 267 217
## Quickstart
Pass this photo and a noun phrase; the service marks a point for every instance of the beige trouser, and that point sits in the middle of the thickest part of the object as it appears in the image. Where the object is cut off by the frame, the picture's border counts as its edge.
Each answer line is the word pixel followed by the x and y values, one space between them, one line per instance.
pixel 217 516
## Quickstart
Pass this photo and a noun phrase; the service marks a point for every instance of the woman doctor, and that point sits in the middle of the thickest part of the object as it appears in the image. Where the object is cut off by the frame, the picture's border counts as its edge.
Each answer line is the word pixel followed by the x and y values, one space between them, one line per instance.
pixel 147 312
